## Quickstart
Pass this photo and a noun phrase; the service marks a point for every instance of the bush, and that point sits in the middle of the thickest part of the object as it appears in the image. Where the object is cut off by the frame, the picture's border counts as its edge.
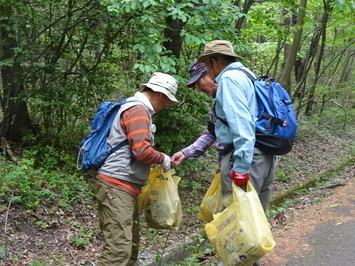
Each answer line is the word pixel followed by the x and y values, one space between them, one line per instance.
pixel 29 185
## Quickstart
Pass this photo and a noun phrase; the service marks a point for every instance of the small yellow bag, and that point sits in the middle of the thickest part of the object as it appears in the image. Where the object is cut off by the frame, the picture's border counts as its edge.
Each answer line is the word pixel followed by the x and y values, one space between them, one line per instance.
pixel 212 201
pixel 160 200
pixel 241 234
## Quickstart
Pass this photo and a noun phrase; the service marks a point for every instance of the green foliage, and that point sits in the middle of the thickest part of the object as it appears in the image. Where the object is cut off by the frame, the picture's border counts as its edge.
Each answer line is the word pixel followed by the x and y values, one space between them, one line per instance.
pixel 51 260
pixel 344 6
pixel 329 124
pixel 42 224
pixel 178 126
pixel 85 235
pixel 74 55
pixel 2 251
pixel 281 176
pixel 281 208
pixel 37 263
pixel 27 185
pixel 80 242
pixel 159 256
pixel 195 171
pixel 198 250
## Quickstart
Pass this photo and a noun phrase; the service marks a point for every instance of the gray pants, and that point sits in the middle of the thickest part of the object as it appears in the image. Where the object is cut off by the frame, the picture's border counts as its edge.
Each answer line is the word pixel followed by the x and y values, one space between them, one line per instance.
pixel 262 173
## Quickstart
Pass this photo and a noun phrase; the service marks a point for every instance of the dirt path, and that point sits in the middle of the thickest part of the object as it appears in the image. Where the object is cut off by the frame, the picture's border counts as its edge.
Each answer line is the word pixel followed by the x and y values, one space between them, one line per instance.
pixel 311 235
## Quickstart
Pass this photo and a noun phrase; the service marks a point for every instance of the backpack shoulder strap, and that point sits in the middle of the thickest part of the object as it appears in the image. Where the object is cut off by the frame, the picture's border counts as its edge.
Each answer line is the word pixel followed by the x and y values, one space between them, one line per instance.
pixel 249 75
pixel 268 81
pixel 119 146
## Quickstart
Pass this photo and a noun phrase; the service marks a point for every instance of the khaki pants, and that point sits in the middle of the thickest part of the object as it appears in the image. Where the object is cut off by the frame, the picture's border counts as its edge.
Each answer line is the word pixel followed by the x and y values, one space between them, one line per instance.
pixel 119 224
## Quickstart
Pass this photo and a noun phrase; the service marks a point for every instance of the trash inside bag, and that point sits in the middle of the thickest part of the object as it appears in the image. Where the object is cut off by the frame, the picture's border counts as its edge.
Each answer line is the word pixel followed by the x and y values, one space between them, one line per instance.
pixel 160 200
pixel 241 234
pixel 212 201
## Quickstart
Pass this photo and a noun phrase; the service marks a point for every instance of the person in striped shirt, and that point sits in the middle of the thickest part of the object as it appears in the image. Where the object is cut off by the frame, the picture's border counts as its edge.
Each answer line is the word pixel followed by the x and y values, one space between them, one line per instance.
pixel 120 179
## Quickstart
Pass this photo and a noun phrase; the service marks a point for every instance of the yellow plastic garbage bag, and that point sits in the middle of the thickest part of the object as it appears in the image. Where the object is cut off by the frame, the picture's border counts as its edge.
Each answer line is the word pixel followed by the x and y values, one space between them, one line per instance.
pixel 212 201
pixel 241 234
pixel 160 200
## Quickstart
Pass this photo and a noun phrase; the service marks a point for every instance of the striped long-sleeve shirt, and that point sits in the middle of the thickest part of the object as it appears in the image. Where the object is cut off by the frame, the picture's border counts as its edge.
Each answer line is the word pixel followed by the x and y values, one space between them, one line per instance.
pixel 135 122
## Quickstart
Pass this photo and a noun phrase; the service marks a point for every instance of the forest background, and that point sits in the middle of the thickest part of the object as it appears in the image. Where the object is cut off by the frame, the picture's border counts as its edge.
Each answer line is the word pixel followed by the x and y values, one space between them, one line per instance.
pixel 60 59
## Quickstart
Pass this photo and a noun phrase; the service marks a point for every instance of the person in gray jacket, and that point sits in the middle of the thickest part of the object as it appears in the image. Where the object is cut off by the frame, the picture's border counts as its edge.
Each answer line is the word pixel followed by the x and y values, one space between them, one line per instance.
pixel 120 179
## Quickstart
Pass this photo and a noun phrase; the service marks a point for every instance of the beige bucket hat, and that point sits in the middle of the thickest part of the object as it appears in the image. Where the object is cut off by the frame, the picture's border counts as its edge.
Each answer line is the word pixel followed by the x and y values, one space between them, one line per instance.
pixel 218 47
pixel 163 83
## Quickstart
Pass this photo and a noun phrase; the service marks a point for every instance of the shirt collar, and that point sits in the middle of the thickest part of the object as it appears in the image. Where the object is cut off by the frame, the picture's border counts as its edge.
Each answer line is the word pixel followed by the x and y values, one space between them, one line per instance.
pixel 231 66
pixel 142 98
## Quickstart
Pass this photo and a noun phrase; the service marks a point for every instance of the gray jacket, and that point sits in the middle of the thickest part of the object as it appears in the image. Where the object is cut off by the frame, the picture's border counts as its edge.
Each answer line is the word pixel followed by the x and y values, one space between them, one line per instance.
pixel 120 165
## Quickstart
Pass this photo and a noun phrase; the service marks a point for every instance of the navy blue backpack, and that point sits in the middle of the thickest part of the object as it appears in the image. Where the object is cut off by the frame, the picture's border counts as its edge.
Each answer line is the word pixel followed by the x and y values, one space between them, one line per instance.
pixel 276 126
pixel 93 149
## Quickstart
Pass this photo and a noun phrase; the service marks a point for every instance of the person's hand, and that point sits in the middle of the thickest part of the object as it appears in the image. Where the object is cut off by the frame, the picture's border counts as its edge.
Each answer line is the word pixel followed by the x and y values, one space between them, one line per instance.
pixel 239 179
pixel 177 158
pixel 166 163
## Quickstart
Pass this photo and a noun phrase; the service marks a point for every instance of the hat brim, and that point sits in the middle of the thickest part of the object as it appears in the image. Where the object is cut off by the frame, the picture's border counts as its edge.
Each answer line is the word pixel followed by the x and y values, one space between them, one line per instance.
pixel 193 80
pixel 156 88
pixel 203 57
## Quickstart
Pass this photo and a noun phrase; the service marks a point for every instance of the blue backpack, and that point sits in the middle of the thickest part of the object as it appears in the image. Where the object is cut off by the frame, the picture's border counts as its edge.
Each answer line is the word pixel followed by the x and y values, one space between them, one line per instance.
pixel 276 126
pixel 93 149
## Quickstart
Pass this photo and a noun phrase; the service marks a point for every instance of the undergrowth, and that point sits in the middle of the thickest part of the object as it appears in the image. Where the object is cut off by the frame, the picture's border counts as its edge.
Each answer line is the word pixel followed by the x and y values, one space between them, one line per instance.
pixel 28 185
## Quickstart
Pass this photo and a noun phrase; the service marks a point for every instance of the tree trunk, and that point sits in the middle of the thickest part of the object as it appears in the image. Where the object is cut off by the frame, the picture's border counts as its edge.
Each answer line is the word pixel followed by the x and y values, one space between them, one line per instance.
pixel 280 45
pixel 16 120
pixel 173 36
pixel 311 96
pixel 349 60
pixel 240 24
pixel 290 57
pixel 322 32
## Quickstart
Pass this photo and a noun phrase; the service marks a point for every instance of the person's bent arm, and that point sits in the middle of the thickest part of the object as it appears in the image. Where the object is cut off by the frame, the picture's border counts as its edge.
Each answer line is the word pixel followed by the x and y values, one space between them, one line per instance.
pixel 239 118
pixel 195 150
pixel 136 124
